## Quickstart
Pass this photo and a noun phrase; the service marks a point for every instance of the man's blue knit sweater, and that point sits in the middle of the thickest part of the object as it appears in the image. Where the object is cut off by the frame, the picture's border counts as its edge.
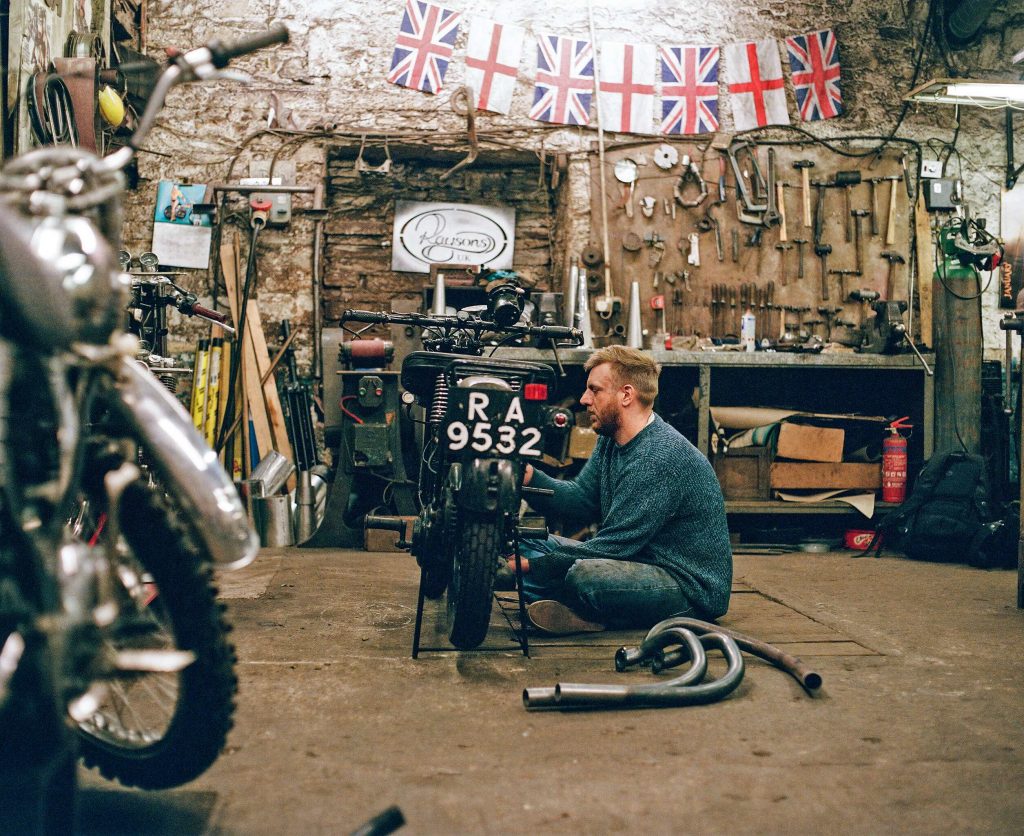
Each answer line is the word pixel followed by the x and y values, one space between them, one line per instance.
pixel 658 501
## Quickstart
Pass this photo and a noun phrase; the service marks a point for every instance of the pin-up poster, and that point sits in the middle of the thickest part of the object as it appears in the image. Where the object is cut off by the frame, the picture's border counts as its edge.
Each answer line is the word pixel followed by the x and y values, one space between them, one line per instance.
pixel 181 236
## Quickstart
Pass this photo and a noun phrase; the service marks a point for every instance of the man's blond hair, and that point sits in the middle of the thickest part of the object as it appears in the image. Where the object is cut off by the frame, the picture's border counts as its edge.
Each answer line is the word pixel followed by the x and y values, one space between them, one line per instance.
pixel 632 366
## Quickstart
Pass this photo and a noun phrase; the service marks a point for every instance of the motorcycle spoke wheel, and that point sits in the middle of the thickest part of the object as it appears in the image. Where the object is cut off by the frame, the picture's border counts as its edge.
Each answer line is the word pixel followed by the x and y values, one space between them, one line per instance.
pixel 154 729
pixel 471 588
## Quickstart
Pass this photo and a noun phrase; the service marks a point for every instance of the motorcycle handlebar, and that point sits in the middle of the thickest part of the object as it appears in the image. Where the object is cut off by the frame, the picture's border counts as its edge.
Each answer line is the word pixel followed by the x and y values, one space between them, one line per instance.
pixel 208 313
pixel 465 322
pixel 223 53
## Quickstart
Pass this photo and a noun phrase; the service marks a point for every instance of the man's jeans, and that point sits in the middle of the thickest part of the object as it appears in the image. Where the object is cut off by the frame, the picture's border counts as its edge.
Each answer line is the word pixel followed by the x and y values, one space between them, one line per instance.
pixel 618 593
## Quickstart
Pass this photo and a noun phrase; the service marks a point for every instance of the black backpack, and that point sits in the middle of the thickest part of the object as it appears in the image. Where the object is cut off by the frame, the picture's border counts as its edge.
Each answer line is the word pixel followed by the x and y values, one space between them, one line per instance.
pixel 950 517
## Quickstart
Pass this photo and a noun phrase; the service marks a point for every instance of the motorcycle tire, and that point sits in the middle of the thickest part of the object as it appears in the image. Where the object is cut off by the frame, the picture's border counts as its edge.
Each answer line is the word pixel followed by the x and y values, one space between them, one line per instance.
pixel 472 584
pixel 193 708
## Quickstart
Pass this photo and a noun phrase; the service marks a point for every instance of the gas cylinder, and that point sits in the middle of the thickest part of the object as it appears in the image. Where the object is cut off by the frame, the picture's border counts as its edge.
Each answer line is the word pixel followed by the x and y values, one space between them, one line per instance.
pixel 894 462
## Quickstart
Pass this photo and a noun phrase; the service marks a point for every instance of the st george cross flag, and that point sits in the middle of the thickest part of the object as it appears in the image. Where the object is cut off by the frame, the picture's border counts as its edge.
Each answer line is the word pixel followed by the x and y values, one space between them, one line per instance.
pixel 689 89
pixel 814 63
pixel 753 74
pixel 626 87
pixel 565 80
pixel 492 63
pixel 424 46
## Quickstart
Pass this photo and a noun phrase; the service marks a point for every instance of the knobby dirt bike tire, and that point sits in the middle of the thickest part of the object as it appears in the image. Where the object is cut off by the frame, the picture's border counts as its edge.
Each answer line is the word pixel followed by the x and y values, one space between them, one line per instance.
pixel 472 584
pixel 204 707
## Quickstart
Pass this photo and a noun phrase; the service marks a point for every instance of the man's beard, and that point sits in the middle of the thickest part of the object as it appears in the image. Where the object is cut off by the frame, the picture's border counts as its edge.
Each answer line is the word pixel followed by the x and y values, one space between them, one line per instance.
pixel 607 424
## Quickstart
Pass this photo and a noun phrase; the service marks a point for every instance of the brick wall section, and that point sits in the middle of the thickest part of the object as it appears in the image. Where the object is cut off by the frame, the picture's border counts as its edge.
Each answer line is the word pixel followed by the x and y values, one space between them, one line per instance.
pixel 332 75
pixel 362 207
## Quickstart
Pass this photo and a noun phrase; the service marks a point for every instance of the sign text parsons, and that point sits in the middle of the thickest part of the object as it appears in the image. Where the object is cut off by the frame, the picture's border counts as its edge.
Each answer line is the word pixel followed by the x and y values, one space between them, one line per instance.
pixel 452 233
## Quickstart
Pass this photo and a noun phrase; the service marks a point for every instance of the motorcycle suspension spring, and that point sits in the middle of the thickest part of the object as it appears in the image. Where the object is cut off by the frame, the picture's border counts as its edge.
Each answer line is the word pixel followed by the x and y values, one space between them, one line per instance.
pixel 439 403
pixel 170 382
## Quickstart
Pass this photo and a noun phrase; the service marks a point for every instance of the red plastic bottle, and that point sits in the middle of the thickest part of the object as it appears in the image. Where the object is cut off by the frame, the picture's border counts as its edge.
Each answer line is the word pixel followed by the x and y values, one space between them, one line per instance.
pixel 894 462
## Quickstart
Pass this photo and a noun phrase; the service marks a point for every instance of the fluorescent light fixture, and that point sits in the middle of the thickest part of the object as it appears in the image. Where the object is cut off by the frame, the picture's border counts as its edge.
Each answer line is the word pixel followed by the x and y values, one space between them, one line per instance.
pixel 962 91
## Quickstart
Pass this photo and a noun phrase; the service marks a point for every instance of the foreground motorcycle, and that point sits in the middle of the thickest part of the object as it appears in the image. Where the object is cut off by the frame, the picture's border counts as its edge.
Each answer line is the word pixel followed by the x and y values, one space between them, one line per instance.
pixel 485 419
pixel 113 511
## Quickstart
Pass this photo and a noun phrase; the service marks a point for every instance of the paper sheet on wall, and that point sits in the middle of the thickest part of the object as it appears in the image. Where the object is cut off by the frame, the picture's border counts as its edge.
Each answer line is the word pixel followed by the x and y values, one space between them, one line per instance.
pixel 863 502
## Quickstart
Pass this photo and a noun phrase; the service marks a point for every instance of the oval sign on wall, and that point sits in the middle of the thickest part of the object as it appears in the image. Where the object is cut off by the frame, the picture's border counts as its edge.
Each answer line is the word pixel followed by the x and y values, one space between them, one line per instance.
pixel 452 233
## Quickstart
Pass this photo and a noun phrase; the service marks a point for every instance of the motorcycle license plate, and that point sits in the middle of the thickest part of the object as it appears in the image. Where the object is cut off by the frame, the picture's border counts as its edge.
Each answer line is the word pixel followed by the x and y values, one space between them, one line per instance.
pixel 492 423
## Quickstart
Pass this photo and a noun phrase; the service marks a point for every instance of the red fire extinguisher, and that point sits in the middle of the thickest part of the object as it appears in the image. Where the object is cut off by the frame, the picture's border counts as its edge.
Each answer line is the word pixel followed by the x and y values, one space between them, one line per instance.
pixel 894 462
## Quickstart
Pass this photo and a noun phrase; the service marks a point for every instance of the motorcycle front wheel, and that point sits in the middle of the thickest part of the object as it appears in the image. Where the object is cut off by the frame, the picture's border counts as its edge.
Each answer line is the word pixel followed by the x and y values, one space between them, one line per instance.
pixel 157 730
pixel 472 582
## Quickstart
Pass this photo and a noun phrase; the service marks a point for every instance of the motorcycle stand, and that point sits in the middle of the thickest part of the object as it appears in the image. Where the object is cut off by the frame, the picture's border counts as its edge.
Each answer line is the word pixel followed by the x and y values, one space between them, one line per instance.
pixel 521 636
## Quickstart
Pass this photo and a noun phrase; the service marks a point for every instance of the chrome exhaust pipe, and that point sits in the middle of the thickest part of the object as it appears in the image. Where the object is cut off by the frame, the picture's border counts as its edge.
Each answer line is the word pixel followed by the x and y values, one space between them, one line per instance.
pixel 793 665
pixel 675 692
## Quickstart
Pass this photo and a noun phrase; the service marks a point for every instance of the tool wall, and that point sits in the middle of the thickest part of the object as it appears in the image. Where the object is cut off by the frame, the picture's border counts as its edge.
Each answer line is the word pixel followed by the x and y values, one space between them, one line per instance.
pixel 802 237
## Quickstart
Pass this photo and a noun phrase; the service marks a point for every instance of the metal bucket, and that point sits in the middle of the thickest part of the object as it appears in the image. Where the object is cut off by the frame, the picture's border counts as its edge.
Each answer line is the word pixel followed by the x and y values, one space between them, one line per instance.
pixel 274 517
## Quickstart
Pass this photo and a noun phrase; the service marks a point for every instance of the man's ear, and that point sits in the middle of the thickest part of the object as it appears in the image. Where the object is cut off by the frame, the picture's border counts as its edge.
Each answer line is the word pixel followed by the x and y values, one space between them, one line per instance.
pixel 628 394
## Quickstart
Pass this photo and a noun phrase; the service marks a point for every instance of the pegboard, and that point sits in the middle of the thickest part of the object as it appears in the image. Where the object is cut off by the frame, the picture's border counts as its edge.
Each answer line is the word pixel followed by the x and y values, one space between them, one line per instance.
pixel 650 229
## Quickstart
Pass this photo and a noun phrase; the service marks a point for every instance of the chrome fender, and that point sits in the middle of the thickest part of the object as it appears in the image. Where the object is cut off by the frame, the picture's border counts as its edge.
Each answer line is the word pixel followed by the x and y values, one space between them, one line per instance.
pixel 187 466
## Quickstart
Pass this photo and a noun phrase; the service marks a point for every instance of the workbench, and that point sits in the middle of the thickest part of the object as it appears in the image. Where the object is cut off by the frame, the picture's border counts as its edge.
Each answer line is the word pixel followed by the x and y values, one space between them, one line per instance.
pixel 864 384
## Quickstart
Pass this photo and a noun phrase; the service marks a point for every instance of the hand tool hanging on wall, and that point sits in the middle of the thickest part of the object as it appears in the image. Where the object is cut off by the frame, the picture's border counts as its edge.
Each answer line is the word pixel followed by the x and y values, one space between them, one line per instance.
pixel 858 215
pixel 771 216
pixel 872 184
pixel 893 259
pixel 799 244
pixel 747 194
pixel 847 180
pixel 691 175
pixel 842 279
pixel 890 226
pixel 819 210
pixel 804 167
pixel 822 251
pixel 780 201
pixel 783 273
pixel 625 173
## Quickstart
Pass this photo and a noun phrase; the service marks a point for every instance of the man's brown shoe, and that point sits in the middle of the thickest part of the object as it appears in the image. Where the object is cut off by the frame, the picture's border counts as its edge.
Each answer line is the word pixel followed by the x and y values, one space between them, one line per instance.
pixel 557 619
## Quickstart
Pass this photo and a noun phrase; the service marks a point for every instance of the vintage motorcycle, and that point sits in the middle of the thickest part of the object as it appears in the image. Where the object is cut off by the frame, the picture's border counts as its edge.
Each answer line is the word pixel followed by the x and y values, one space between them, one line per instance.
pixel 113 511
pixel 485 418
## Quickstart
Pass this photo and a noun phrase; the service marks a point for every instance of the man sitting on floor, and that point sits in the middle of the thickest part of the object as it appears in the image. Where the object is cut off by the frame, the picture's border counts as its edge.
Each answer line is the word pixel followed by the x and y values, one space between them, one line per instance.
pixel 662 548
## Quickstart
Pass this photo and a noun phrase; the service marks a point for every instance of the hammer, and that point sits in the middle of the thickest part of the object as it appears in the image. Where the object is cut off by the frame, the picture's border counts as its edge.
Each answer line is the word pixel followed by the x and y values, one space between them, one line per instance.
pixel 893 259
pixel 804 167
pixel 857 214
pixel 847 179
pixel 782 247
pixel 865 297
pixel 822 251
pixel 872 183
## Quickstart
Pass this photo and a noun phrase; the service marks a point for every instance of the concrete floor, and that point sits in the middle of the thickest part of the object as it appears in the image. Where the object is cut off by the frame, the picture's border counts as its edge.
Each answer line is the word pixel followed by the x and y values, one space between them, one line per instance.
pixel 916 729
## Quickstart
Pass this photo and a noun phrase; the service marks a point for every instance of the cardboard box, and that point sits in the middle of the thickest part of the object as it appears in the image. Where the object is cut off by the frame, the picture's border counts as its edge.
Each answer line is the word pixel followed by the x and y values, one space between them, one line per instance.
pixel 582 441
pixel 847 475
pixel 378 540
pixel 810 444
pixel 743 473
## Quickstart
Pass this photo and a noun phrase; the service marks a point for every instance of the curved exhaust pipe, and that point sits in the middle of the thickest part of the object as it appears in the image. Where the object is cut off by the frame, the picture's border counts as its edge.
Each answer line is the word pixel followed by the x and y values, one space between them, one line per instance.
pixel 686 689
pixel 793 665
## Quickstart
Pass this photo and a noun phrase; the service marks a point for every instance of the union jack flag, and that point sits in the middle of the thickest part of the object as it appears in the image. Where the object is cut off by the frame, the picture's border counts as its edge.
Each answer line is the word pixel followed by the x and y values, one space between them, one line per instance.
pixel 565 80
pixel 814 62
pixel 424 46
pixel 689 89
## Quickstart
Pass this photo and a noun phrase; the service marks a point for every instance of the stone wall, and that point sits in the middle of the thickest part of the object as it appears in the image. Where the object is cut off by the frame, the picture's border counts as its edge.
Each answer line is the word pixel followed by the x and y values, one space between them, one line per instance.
pixel 327 88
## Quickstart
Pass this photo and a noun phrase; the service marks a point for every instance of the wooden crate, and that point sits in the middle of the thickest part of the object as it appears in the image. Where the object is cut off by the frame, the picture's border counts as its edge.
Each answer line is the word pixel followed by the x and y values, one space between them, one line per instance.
pixel 743 473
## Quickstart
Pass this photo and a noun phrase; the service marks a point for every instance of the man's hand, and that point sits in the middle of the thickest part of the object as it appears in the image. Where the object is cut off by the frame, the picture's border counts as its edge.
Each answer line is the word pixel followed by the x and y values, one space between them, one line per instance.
pixel 528 474
pixel 524 562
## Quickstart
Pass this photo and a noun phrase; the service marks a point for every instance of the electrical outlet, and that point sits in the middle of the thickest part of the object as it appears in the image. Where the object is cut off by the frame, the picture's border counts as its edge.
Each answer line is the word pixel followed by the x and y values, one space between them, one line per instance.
pixel 284 174
pixel 931 168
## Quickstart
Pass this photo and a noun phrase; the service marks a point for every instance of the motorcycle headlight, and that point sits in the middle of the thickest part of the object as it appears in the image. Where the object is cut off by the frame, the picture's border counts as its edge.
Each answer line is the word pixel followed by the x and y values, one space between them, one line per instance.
pixel 90 274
